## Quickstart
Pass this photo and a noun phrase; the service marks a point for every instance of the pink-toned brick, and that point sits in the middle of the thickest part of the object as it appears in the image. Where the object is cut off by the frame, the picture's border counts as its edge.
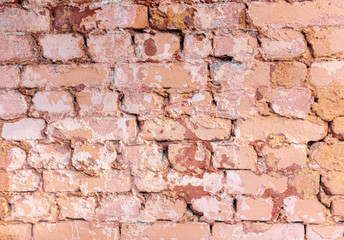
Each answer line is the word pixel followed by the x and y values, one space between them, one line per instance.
pixel 333 182
pixel 12 157
pixel 256 209
pixel 110 48
pixel 56 76
pixel 76 207
pixel 17 48
pixel 318 232
pixel 158 47
pixel 97 103
pixel 305 210
pixel 62 47
pixel 61 181
pixel 337 207
pixel 23 129
pixel 12 105
pixel 75 230
pixel 22 20
pixel 196 46
pixel 19 181
pixel 15 231
pixel 305 183
pixel 288 74
pixel 328 156
pixel 9 76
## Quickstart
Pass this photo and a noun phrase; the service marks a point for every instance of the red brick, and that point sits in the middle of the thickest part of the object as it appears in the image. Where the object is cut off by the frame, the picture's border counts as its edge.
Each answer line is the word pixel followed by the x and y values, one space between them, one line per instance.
pixel 12 158
pixel 11 52
pixel 62 47
pixel 256 209
pixel 76 207
pixel 196 46
pixel 56 76
pixel 12 105
pixel 15 231
pixel 9 76
pixel 158 47
pixel 318 232
pixel 282 44
pixel 222 231
pixel 19 181
pixel 75 230
pixel 298 14
pixel 214 208
pixel 288 74
pixel 23 20
pixel 333 182
pixel 180 231
pixel 23 129
pixel 97 103
pixel 110 48
pixel 122 208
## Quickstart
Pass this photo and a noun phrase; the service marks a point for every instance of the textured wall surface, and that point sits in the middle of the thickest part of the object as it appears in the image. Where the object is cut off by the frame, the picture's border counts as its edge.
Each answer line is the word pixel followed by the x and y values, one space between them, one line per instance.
pixel 171 120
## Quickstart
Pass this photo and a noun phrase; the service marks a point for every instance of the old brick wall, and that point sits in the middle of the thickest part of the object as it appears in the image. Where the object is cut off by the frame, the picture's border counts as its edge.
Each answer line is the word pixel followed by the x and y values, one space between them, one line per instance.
pixel 161 119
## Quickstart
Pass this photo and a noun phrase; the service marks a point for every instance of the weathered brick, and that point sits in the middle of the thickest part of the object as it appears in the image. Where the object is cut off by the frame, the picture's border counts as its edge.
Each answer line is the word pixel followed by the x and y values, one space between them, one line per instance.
pixel 19 181
pixel 333 182
pixel 23 20
pixel 9 76
pixel 328 156
pixel 246 182
pixel 305 210
pixel 56 76
pixel 49 156
pixel 305 182
pixel 97 103
pixel 75 230
pixel 76 207
pixel 337 207
pixel 61 181
pixel 180 231
pixel 318 232
pixel 298 14
pixel 17 48
pixel 257 209
pixel 288 74
pixel 158 47
pixel 12 158
pixel 282 44
pixel 337 127
pixel 12 105
pixel 15 231
pixel 214 208
pixel 298 131
pixel 110 48
pixel 222 231
pixel 23 129
pixel 196 46
pixel 62 47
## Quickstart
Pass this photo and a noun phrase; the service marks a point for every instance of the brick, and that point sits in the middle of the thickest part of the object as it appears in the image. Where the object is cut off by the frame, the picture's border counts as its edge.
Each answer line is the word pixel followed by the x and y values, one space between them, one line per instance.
pixel 94 158
pixel 24 129
pixel 180 231
pixel 9 76
pixel 49 156
pixel 158 47
pixel 246 182
pixel 297 15
pixel 288 74
pixel 31 208
pixel 11 52
pixel 195 186
pixel 19 181
pixel 15 231
pixel 186 157
pixel 61 181
pixel 305 210
pixel 333 182
pixel 12 105
pixel 282 44
pixel 94 129
pixel 257 209
pixel 56 76
pixel 222 231
pixel 62 47
pixel 57 104
pixel 337 127
pixel 305 182
pixel 337 207
pixel 97 103
pixel 328 156
pixel 23 20
pixel 196 46
pixel 318 232
pixel 191 104
pixel 110 48
pixel 297 131
pixel 181 76
pixel 240 46
pixel 130 16
pixel 233 155
pixel 194 128
pixel 75 229
pixel 214 208
pixel 12 158
pixel 122 208
pixel 151 182
pixel 163 208
pixel 76 207
pixel 4 208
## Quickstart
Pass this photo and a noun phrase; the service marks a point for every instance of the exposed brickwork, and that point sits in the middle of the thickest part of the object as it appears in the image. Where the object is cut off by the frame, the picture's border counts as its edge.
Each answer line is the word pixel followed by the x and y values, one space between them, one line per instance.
pixel 171 119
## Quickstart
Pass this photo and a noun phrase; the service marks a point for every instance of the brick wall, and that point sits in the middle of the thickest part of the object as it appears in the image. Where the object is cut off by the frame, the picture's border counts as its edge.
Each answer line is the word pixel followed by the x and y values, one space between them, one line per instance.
pixel 161 119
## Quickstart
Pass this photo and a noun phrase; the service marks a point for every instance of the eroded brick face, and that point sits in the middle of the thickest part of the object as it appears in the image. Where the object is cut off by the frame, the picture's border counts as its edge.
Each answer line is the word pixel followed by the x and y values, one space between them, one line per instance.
pixel 171 120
